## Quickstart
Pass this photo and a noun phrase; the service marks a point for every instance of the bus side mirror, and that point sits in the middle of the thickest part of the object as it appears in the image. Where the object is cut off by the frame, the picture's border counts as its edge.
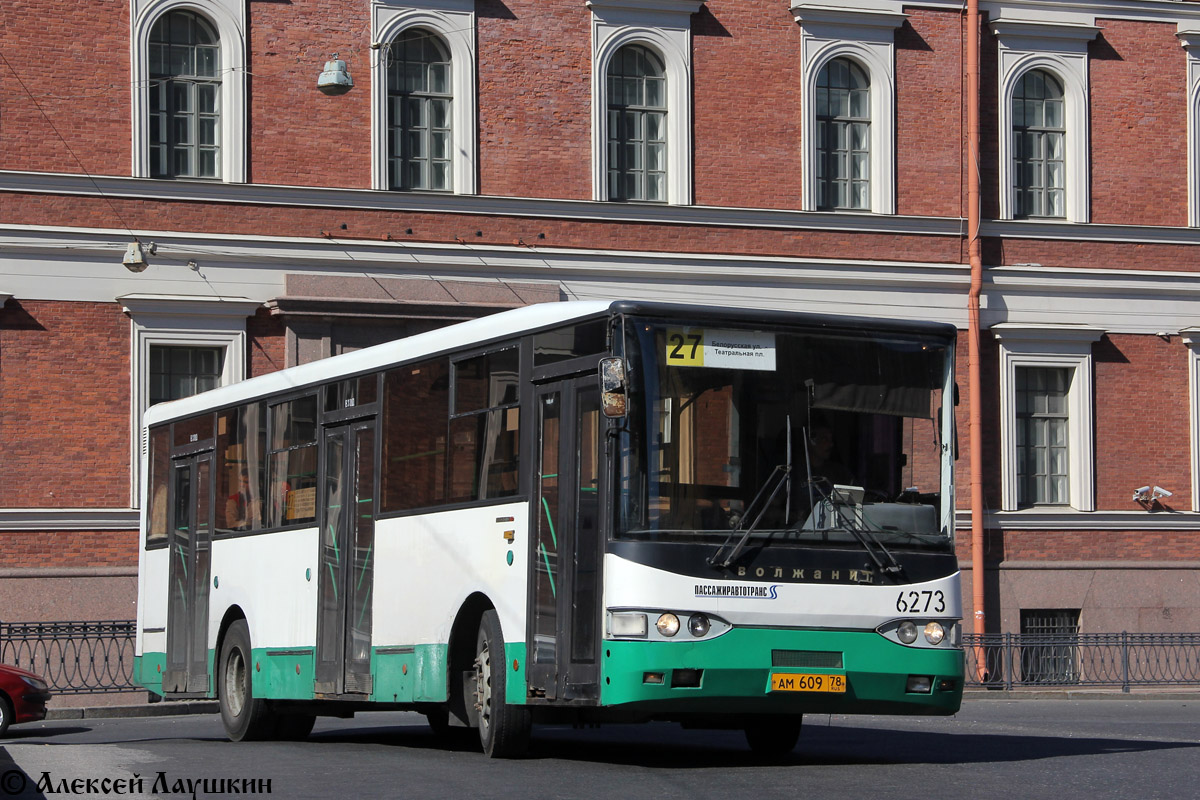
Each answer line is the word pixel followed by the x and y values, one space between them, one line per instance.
pixel 612 387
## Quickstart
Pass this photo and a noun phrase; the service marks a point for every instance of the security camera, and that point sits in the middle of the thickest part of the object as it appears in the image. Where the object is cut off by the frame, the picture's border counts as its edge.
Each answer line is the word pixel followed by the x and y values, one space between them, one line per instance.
pixel 1139 495
pixel 1160 492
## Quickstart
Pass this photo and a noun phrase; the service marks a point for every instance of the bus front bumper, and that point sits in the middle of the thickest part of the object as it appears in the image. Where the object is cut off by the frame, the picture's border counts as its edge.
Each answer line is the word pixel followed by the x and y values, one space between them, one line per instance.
pixel 781 671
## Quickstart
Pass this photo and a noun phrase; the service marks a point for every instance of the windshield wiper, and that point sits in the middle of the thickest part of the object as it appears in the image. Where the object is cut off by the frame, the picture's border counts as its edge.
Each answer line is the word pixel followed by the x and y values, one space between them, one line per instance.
pixel 850 522
pixel 784 471
pixel 779 477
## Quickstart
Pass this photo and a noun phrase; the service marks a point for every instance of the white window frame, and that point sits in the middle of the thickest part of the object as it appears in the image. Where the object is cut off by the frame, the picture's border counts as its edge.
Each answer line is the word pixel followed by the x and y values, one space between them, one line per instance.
pixel 664 26
pixel 229 18
pixel 1191 339
pixel 181 321
pixel 454 21
pixel 868 38
pixel 1061 50
pixel 1050 346
pixel 1190 40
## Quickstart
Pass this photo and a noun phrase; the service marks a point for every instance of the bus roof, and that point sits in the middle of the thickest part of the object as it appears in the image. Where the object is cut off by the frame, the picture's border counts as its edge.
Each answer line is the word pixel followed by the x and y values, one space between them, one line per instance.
pixel 494 327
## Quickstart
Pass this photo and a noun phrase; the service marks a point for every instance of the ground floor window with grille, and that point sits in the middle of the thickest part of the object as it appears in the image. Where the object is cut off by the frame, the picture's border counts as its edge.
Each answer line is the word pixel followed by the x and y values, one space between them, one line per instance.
pixel 177 372
pixel 1050 645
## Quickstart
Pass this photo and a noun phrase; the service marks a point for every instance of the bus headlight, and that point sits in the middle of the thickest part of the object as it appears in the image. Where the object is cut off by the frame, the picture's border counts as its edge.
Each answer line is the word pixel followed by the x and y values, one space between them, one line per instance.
pixel 668 624
pixel 627 624
pixel 934 633
pixel 907 632
pixel 698 625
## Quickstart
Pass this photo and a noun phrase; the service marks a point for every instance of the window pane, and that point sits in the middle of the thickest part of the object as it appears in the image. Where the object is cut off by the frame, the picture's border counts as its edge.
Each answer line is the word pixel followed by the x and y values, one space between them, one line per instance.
pixel 185 73
pixel 419 78
pixel 177 372
pixel 636 125
pixel 416 411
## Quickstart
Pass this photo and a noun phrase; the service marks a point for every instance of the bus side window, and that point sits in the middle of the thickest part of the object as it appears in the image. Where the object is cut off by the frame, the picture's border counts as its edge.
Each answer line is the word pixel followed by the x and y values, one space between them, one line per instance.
pixel 416 409
pixel 292 480
pixel 241 467
pixel 160 467
pixel 485 431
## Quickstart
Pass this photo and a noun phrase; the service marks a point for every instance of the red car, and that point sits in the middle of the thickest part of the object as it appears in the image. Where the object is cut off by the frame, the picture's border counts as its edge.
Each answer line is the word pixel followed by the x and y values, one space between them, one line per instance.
pixel 23 697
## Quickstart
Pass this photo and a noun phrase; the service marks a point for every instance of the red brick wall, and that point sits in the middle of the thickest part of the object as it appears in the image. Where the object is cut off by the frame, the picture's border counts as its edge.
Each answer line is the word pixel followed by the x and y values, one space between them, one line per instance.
pixel 930 120
pixel 64 405
pixel 68 549
pixel 534 98
pixel 1142 425
pixel 746 62
pixel 298 135
pixel 64 87
pixel 1091 545
pixel 1138 105
pixel 267 344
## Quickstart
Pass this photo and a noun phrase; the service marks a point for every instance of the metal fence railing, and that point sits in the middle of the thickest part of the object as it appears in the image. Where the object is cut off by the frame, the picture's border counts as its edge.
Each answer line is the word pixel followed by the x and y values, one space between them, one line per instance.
pixel 1009 660
pixel 73 657
pixel 97 657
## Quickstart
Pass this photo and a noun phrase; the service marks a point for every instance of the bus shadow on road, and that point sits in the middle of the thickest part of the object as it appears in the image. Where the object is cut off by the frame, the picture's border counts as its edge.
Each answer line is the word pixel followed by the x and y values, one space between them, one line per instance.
pixel 670 747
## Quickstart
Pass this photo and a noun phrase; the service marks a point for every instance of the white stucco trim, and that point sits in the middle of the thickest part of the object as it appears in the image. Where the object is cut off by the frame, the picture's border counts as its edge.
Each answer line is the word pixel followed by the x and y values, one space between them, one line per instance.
pixel 454 21
pixel 1065 346
pixel 229 17
pixel 665 27
pixel 1060 49
pixel 1190 40
pixel 868 39
pixel 1191 339
pixel 181 321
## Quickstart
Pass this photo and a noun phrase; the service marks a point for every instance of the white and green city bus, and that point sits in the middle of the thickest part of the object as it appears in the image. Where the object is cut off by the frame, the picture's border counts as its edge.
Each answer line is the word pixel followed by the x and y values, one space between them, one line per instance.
pixel 574 512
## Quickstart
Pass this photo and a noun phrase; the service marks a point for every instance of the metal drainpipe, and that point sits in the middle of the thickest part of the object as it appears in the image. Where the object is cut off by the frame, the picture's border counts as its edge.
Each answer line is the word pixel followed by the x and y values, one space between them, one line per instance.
pixel 974 391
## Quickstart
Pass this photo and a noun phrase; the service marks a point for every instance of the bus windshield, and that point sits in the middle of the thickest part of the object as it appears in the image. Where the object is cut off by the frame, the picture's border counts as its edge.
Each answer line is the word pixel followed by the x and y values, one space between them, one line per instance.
pixel 798 436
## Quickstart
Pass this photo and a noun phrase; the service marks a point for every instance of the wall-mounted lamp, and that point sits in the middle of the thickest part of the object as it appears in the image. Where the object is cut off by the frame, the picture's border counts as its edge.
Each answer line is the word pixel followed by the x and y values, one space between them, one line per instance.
pixel 135 256
pixel 335 79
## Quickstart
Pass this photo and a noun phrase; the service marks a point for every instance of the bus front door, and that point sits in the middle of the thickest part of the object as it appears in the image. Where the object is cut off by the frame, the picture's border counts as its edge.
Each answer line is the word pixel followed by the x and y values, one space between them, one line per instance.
pixel 345 576
pixel 190 548
pixel 564 617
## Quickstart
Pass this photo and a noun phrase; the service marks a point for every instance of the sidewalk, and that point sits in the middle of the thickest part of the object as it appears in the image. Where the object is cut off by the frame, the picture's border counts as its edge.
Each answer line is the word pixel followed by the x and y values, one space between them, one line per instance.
pixel 170 708
pixel 1093 693
pixel 160 709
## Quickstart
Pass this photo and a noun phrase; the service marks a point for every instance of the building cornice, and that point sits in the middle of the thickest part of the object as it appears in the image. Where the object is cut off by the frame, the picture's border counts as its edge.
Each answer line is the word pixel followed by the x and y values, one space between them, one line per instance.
pixel 579 210
pixel 1036 520
pixel 68 519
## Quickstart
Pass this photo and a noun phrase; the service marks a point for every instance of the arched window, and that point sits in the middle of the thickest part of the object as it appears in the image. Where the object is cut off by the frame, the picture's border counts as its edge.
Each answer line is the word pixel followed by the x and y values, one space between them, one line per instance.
pixel 843 136
pixel 1039 146
pixel 420 132
pixel 637 126
pixel 185 91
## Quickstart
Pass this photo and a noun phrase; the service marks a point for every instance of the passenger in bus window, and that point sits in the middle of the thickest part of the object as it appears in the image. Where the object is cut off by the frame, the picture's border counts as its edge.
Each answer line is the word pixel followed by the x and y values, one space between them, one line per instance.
pixel 241 512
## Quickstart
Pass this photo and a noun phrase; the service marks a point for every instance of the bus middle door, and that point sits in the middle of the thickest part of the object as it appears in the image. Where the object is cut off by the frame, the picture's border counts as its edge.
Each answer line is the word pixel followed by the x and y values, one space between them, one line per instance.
pixel 190 548
pixel 346 567
pixel 564 614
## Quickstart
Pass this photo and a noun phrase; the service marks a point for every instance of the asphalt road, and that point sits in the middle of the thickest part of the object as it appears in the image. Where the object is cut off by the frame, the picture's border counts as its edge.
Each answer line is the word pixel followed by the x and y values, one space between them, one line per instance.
pixel 1136 748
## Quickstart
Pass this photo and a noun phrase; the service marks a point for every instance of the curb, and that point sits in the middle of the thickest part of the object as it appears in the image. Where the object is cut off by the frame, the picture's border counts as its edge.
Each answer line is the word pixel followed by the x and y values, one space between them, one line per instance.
pixel 1077 694
pixel 161 709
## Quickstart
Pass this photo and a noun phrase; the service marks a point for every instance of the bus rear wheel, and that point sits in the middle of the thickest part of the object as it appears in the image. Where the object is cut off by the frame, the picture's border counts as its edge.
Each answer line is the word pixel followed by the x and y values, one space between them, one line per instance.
pixel 773 737
pixel 503 728
pixel 245 717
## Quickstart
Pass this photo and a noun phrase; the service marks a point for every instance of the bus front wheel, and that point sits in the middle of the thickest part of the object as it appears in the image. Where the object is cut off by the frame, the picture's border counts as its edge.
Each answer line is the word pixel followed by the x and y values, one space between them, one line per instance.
pixel 246 717
pixel 503 728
